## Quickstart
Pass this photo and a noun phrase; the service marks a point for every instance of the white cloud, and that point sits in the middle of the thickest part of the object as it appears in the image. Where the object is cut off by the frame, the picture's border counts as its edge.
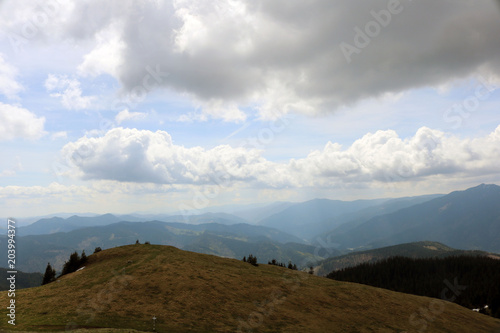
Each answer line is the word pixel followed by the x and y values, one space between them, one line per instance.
pixel 130 155
pixel 106 57
pixel 17 122
pixel 69 91
pixel 279 57
pixel 127 115
pixel 8 83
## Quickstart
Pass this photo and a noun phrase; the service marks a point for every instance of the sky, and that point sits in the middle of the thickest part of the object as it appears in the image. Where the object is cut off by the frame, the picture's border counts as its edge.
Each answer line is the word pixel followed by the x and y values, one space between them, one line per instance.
pixel 160 106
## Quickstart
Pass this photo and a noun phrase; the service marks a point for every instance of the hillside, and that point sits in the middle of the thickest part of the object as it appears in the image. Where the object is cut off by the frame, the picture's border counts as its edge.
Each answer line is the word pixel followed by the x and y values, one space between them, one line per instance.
pixel 231 241
pixel 467 219
pixel 411 250
pixel 125 287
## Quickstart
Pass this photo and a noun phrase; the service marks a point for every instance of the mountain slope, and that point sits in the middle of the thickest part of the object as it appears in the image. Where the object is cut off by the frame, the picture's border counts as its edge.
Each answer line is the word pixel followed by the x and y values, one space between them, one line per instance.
pixel 351 220
pixel 467 219
pixel 125 287
pixel 307 219
pixel 410 250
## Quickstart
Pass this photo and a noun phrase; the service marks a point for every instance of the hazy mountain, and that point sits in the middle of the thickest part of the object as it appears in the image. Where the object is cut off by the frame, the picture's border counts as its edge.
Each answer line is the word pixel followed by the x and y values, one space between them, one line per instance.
pixel 467 219
pixel 221 218
pixel 35 251
pixel 410 250
pixel 122 288
pixel 256 214
pixel 351 220
pixel 57 224
pixel 307 219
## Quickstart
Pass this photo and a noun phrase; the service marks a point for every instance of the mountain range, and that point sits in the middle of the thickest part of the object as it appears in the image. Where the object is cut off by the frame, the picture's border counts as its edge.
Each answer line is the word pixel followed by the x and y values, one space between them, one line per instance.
pixel 467 219
pixel 299 232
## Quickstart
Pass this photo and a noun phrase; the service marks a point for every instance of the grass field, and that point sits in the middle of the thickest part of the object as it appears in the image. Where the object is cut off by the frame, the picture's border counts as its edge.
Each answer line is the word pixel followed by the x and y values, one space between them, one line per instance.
pixel 123 288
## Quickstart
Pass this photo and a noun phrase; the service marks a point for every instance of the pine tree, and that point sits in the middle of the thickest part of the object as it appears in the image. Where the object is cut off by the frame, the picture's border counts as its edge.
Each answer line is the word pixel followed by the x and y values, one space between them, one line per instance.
pixel 72 265
pixel 83 259
pixel 50 275
pixel 244 259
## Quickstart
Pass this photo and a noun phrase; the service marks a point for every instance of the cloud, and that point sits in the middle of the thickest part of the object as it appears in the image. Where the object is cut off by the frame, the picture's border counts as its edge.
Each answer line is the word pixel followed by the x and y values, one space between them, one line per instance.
pixel 233 57
pixel 8 84
pixel 17 122
pixel 385 157
pixel 69 91
pixel 130 155
pixel 126 115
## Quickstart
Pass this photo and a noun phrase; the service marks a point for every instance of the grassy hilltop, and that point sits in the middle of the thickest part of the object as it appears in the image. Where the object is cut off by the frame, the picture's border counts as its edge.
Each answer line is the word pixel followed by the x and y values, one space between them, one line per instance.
pixel 124 287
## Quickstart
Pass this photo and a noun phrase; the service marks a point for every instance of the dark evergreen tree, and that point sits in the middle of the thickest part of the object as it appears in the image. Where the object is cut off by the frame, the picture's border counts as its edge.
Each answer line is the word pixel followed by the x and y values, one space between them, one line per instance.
pixel 244 259
pixel 252 260
pixel 50 275
pixel 83 258
pixel 97 249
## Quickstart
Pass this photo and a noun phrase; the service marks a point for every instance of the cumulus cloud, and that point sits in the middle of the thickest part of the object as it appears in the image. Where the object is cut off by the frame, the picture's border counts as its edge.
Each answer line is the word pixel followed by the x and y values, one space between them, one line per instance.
pixel 130 155
pixel 17 122
pixel 385 157
pixel 276 57
pixel 8 83
pixel 69 91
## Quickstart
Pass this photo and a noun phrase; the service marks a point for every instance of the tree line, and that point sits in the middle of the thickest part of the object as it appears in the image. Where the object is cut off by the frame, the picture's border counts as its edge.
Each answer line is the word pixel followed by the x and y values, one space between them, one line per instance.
pixel 478 277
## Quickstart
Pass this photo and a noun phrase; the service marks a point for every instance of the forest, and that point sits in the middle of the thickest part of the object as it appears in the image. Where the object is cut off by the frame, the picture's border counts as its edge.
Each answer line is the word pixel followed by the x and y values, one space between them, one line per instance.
pixel 472 282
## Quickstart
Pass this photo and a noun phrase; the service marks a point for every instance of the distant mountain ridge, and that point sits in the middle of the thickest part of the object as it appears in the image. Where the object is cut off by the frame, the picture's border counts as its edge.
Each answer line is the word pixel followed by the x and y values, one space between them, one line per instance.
pixel 467 219
pixel 57 224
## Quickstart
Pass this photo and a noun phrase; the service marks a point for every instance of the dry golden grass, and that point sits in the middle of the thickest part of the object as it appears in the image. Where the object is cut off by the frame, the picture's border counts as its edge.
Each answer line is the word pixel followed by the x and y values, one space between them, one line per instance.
pixel 123 288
